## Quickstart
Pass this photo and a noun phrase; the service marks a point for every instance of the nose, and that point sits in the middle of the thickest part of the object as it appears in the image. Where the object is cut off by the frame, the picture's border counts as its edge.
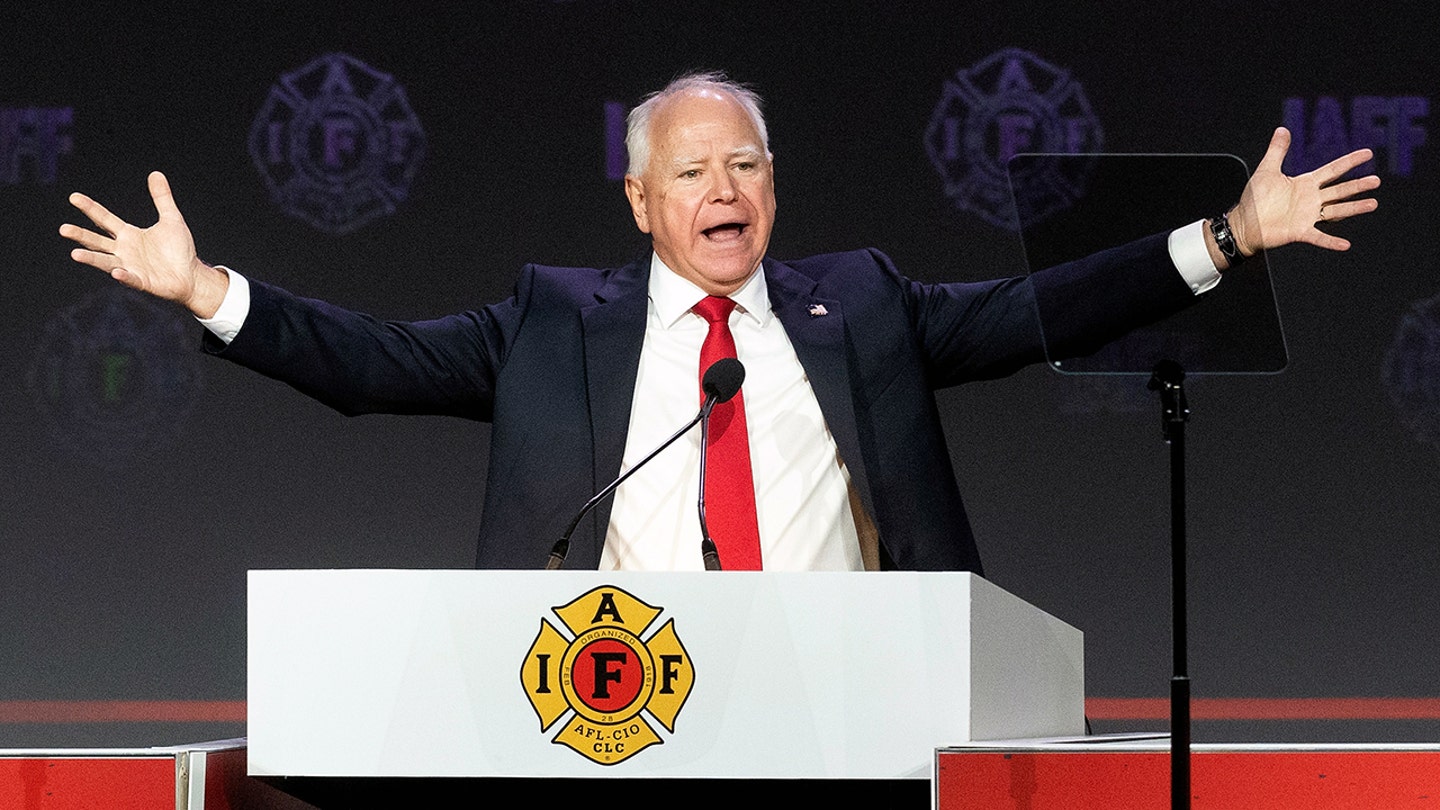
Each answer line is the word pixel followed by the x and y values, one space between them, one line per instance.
pixel 723 189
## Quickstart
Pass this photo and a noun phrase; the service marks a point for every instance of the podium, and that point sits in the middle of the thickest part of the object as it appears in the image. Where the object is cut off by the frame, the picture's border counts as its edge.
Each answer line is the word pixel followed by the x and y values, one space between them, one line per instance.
pixel 736 675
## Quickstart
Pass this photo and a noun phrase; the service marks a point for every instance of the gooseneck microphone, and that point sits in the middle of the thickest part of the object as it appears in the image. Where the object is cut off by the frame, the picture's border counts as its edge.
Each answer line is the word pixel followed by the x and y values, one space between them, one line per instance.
pixel 721 383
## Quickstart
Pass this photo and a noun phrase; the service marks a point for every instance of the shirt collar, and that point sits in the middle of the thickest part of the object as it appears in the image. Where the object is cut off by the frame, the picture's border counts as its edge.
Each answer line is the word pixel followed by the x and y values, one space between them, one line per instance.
pixel 673 296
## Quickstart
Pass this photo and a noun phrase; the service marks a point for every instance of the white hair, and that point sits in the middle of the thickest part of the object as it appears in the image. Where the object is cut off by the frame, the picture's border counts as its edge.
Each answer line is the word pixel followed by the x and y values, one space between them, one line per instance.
pixel 637 124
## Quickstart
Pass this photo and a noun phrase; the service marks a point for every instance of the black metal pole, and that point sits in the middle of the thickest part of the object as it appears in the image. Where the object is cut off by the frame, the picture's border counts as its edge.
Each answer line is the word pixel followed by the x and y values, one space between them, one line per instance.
pixel 1180 680
pixel 1168 379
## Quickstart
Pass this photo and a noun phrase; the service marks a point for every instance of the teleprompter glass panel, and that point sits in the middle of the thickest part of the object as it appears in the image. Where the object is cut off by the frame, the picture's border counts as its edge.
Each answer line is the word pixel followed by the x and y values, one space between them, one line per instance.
pixel 1071 206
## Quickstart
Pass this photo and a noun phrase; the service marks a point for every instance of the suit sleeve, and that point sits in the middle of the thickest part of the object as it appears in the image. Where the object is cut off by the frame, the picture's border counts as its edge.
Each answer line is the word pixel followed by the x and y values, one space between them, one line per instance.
pixel 984 330
pixel 357 364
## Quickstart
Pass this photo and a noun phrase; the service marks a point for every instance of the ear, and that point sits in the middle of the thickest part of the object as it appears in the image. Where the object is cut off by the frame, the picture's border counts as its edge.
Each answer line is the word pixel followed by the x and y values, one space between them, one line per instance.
pixel 770 158
pixel 635 192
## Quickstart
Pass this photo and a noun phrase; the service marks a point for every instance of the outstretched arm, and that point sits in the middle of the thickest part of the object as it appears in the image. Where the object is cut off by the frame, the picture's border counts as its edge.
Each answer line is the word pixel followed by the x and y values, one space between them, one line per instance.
pixel 159 260
pixel 1276 210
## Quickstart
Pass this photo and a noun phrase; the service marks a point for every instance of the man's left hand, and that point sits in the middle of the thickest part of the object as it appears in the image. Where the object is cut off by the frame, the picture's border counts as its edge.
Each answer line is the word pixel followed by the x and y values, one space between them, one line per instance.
pixel 1276 210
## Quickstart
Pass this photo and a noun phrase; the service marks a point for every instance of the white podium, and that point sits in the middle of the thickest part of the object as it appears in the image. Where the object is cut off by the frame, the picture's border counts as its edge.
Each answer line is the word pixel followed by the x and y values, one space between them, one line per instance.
pixel 679 675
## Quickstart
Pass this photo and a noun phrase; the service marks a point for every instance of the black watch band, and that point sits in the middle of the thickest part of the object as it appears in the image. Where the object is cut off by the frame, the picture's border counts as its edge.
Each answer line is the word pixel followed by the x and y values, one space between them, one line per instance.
pixel 1225 239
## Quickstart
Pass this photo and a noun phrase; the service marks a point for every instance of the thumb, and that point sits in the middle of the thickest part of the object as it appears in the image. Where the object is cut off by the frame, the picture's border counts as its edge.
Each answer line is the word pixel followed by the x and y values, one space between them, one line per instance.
pixel 1275 153
pixel 160 194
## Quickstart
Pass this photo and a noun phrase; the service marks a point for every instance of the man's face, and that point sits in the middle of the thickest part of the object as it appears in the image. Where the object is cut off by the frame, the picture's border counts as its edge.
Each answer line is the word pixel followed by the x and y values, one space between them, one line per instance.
pixel 707 197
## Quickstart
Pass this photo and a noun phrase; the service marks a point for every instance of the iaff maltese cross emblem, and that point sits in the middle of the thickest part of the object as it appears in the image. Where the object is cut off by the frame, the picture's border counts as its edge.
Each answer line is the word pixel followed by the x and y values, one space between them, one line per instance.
pixel 1009 103
pixel 337 143
pixel 608 682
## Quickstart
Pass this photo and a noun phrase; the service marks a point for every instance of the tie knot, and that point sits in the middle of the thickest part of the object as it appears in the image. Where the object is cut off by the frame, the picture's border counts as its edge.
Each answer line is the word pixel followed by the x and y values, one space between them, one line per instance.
pixel 714 309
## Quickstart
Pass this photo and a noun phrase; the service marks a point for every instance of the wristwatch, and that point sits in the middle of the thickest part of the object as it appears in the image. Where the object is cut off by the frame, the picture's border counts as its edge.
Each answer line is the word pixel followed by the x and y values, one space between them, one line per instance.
pixel 1225 239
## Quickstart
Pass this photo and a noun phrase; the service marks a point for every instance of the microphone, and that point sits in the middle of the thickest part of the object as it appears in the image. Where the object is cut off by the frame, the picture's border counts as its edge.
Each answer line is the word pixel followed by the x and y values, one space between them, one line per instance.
pixel 720 384
pixel 722 380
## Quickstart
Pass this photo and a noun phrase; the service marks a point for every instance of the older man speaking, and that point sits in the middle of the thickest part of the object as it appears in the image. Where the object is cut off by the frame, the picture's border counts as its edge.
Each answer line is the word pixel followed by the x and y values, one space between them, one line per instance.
pixel 832 457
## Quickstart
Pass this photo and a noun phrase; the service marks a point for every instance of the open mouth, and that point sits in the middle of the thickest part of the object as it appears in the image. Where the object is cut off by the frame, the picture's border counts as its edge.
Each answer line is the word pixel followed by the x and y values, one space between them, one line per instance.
pixel 726 232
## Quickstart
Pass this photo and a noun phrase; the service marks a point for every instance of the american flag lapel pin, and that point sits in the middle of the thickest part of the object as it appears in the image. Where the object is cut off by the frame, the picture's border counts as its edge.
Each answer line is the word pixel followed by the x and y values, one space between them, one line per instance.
pixel 816 310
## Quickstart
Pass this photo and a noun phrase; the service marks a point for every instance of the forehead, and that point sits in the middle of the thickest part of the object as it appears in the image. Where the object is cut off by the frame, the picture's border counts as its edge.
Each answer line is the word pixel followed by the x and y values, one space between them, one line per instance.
pixel 698 116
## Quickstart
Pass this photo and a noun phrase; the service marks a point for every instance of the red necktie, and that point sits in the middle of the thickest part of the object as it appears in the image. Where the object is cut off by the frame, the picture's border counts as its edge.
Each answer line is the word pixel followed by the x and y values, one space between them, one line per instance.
pixel 729 487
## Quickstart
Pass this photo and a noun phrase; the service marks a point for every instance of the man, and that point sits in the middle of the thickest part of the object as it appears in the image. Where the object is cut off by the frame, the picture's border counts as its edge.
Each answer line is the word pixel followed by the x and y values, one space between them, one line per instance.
pixel 582 371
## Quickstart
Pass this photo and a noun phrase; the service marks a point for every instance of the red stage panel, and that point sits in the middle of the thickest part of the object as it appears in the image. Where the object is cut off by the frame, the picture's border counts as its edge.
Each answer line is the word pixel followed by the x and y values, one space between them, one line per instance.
pixel 1079 778
pixel 76 783
pixel 199 776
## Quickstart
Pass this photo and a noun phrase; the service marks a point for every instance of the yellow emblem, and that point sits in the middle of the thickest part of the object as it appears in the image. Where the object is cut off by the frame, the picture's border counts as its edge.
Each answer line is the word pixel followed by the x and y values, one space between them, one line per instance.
pixel 597 669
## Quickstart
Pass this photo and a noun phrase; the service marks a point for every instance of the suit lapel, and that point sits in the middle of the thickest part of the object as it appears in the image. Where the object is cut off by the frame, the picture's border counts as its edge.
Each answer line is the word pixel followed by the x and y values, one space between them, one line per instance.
pixel 816 328
pixel 614 333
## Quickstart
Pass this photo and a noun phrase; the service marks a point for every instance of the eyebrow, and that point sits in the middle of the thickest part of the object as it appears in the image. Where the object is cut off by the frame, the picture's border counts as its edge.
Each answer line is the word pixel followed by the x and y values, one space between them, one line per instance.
pixel 748 151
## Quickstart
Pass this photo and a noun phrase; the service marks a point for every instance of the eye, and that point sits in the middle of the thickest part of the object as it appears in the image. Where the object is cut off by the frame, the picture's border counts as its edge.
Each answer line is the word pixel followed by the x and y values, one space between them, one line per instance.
pixel 745 166
pixel 690 174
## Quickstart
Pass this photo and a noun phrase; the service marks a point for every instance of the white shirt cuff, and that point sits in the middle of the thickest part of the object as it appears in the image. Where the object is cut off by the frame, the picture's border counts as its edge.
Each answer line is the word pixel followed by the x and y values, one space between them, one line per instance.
pixel 230 316
pixel 1192 259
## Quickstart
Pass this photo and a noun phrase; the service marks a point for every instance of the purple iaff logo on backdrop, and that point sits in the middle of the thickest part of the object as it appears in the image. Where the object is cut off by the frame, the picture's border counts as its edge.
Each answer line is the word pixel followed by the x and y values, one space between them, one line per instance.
pixel 115 375
pixel 337 143
pixel 35 137
pixel 617 160
pixel 1007 103
pixel 1412 371
pixel 1326 129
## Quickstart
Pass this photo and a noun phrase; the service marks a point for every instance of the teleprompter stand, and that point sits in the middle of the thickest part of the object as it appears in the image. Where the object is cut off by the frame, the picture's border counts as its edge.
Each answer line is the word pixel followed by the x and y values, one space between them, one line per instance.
pixel 1169 380
pixel 1071 206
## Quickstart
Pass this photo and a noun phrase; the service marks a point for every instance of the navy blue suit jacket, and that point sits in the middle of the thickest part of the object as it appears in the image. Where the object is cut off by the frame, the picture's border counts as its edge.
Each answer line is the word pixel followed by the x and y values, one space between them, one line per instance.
pixel 553 369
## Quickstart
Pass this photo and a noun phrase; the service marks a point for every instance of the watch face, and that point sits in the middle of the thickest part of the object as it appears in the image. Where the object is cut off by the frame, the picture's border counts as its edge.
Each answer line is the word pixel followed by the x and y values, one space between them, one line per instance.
pixel 1220 227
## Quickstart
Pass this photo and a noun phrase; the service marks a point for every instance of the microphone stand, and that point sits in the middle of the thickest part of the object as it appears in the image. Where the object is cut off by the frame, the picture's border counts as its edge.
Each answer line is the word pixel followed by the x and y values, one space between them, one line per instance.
pixel 722 381
pixel 1168 379
pixel 562 546
pixel 708 553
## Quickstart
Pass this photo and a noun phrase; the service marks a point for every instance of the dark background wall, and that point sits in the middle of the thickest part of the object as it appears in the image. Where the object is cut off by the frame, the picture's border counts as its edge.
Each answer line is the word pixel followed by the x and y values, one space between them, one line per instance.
pixel 139 480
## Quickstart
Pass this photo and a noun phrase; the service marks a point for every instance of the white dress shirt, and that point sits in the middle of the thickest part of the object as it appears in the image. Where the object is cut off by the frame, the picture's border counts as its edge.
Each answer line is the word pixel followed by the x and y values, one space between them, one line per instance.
pixel 802 501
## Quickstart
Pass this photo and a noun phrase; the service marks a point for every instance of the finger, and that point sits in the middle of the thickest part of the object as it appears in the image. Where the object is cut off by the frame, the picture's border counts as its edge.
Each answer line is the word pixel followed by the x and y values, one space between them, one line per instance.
pixel 1275 153
pixel 128 278
pixel 98 214
pixel 1326 241
pixel 87 238
pixel 1349 188
pixel 96 259
pixel 160 193
pixel 1338 211
pixel 1337 168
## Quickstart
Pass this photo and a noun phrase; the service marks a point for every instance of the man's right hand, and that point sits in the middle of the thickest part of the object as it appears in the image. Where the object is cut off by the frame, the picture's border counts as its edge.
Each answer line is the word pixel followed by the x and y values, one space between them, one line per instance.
pixel 159 260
